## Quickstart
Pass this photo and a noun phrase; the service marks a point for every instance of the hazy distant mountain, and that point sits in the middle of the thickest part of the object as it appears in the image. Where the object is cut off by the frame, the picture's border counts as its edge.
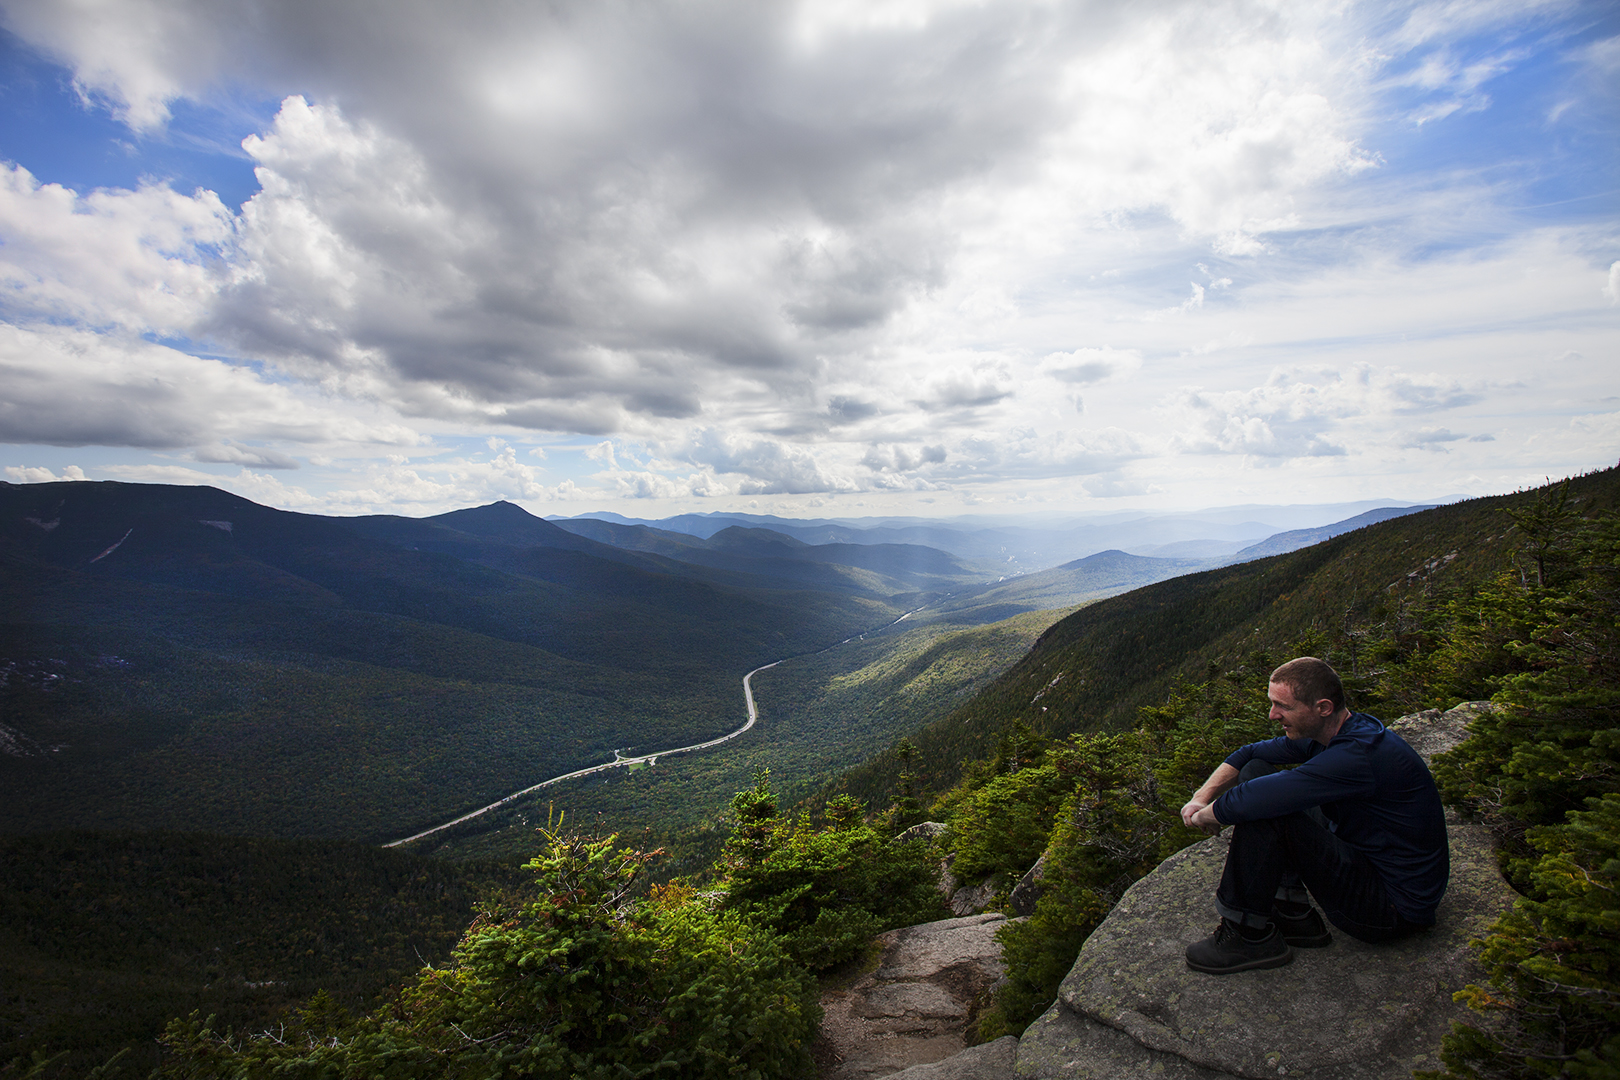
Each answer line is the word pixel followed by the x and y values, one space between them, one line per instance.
pixel 885 569
pixel 1106 573
pixel 1298 538
pixel 1191 549
pixel 1002 545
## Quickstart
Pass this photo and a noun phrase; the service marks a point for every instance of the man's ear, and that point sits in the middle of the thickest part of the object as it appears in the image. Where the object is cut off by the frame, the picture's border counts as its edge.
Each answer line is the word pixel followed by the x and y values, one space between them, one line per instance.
pixel 1329 711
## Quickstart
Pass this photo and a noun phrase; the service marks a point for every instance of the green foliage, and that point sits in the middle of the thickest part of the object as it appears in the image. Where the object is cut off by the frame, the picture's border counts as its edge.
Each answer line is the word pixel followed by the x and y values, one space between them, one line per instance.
pixel 1002 827
pixel 1110 832
pixel 1553 1004
pixel 1555 740
pixel 823 891
pixel 1199 724
pixel 584 981
pixel 907 809
pixel 104 938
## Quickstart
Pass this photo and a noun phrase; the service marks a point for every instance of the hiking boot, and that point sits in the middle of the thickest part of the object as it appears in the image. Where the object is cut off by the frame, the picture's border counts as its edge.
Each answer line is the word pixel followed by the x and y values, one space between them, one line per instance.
pixel 1227 950
pixel 1307 931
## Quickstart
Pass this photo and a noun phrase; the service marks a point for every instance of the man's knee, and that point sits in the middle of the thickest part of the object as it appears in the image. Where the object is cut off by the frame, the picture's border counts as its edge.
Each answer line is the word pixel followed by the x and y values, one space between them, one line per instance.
pixel 1255 768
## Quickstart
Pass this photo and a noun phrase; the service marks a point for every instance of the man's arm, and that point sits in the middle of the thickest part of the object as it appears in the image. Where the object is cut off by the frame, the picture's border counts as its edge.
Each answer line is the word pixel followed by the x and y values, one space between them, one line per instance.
pixel 1198 814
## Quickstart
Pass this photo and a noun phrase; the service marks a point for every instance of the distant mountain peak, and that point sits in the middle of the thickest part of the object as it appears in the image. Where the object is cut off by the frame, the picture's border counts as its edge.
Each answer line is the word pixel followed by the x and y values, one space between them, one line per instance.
pixel 499 520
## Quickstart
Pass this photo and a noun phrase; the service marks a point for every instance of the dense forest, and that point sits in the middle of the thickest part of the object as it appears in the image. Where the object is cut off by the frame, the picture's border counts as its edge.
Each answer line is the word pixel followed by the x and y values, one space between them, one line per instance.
pixel 105 937
pixel 1081 751
pixel 820 715
pixel 202 662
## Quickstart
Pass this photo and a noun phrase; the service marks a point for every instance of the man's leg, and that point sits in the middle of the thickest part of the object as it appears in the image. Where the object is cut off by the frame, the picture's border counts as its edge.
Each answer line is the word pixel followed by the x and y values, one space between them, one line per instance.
pixel 1290 907
pixel 1343 881
pixel 1246 938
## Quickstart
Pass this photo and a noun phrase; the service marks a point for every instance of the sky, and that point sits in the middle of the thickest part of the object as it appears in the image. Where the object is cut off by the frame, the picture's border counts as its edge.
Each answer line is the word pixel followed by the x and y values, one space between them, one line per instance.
pixel 830 258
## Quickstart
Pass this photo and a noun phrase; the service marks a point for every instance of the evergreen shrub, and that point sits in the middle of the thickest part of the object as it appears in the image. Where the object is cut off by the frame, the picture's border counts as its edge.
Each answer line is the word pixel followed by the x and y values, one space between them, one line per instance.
pixel 586 981
pixel 823 891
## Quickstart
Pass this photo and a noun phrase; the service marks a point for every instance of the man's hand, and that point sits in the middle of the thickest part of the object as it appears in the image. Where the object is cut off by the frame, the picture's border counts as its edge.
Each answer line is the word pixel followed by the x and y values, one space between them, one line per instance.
pixel 1199 815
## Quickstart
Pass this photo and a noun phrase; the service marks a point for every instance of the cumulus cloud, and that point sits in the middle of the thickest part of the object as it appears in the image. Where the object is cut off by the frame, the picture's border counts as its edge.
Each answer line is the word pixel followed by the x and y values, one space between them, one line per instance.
pixel 1431 439
pixel 234 453
pixel 1414 394
pixel 791 250
pixel 74 387
pixel 902 459
pixel 36 474
pixel 567 222
pixel 1091 365
pixel 987 383
pixel 767 466
pixel 1304 412
pixel 145 260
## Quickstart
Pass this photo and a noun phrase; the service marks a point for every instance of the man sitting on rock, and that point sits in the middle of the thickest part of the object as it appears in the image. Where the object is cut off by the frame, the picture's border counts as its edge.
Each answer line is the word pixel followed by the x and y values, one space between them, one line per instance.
pixel 1358 823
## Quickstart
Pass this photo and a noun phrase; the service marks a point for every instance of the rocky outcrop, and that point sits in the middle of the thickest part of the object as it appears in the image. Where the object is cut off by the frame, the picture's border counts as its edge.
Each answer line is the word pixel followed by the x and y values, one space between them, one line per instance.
pixel 1431 731
pixel 1351 1011
pixel 1027 893
pixel 915 1008
pixel 992 1061
pixel 964 898
pixel 1131 1007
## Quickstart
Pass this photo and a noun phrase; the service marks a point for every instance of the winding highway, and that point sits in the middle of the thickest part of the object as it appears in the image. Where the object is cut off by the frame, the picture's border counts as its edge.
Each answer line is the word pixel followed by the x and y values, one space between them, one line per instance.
pixel 618 761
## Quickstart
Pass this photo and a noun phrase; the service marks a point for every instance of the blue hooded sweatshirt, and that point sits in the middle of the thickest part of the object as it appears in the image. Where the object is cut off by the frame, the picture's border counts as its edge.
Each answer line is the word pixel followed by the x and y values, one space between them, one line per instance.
pixel 1376 794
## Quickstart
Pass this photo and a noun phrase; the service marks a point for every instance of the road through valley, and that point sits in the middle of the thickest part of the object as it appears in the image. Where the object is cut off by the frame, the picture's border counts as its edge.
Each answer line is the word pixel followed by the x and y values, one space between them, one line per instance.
pixel 619 761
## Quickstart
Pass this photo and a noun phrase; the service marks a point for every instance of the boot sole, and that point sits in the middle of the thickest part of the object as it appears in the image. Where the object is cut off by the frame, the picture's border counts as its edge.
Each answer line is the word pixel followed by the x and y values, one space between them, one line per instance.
pixel 1251 964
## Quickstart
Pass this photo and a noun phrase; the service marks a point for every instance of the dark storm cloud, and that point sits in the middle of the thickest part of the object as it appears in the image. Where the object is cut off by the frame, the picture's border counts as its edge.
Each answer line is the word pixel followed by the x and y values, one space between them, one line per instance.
pixel 485 197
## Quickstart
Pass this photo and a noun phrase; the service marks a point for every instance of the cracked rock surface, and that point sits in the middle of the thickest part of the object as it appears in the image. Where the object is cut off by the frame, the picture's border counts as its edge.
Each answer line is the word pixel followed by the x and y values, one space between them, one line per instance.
pixel 915 1008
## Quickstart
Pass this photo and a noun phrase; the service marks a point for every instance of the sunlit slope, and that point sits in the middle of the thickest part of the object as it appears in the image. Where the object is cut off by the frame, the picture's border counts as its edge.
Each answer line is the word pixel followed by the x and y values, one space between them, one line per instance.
pixel 292 675
pixel 1106 573
pixel 1094 669
pixel 876 569
pixel 819 715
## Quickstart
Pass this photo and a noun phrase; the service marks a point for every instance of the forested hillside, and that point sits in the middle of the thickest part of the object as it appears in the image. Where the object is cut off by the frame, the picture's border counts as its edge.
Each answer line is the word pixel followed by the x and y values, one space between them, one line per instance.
pixel 1093 670
pixel 105 937
pixel 820 714
pixel 199 661
pixel 583 979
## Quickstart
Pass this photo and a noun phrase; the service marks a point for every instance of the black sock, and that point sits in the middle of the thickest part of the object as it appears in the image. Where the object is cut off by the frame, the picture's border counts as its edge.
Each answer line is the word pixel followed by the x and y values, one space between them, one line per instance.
pixel 1251 934
pixel 1291 909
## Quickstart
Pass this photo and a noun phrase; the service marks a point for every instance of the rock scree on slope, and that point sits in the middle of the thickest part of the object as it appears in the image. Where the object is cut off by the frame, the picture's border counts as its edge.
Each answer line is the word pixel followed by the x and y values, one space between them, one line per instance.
pixel 915 1008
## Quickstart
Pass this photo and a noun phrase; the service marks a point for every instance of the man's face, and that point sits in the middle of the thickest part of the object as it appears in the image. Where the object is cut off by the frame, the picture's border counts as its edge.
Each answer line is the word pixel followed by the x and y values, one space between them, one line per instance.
pixel 1299 719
